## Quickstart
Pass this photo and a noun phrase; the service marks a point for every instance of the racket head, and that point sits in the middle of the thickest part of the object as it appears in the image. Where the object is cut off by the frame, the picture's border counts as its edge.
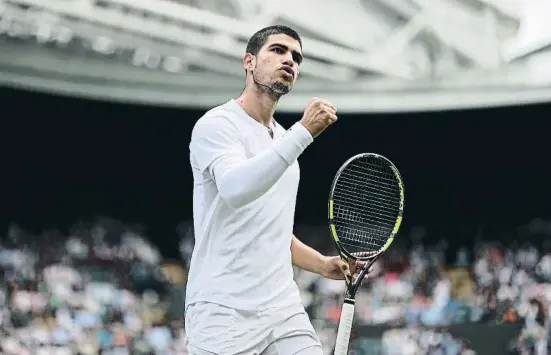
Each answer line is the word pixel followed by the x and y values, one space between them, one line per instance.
pixel 366 205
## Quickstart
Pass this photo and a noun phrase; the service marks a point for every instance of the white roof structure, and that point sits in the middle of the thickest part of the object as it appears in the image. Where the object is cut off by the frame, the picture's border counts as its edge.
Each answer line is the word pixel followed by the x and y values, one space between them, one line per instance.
pixel 365 55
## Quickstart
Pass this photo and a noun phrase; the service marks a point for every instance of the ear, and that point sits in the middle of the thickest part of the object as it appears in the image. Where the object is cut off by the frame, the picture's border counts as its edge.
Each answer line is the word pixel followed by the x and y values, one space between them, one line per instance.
pixel 249 62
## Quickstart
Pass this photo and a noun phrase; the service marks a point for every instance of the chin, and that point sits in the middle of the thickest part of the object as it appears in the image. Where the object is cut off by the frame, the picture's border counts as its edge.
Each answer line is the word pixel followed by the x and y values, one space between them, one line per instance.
pixel 282 88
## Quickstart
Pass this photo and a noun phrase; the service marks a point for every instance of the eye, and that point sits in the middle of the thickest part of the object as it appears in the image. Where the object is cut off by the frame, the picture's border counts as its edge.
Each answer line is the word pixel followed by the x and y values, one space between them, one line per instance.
pixel 279 50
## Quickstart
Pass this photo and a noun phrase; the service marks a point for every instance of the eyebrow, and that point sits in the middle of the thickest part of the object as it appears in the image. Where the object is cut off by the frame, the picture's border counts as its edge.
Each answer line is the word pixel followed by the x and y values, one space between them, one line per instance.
pixel 294 52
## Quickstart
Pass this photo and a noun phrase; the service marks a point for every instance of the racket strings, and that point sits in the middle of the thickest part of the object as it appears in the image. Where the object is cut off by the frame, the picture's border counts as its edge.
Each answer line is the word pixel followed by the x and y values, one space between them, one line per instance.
pixel 366 202
pixel 382 198
pixel 348 192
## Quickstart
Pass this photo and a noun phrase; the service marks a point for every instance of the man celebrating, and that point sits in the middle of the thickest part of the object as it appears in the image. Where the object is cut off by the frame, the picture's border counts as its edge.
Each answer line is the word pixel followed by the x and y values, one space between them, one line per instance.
pixel 241 297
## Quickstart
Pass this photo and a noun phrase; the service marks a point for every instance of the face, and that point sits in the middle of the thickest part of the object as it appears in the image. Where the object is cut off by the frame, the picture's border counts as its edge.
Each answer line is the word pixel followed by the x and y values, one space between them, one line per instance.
pixel 276 67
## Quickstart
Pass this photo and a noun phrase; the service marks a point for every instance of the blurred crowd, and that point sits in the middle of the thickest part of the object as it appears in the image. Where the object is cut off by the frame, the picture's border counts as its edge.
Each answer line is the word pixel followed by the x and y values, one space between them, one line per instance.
pixel 100 290
pixel 103 288
pixel 419 292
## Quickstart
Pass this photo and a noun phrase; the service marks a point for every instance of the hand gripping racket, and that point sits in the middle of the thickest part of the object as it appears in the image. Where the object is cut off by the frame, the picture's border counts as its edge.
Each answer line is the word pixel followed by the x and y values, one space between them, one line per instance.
pixel 366 204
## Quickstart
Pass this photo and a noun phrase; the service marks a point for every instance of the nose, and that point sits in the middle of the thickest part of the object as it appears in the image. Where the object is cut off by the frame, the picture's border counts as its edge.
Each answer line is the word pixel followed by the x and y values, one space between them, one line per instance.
pixel 288 60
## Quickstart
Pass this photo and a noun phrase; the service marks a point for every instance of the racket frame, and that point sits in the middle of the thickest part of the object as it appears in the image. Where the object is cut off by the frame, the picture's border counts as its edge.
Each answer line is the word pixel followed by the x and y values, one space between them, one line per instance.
pixel 332 228
pixel 347 312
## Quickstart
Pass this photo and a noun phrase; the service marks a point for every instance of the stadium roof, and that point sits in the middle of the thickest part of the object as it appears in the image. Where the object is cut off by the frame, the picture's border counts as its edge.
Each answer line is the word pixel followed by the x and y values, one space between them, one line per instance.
pixel 367 55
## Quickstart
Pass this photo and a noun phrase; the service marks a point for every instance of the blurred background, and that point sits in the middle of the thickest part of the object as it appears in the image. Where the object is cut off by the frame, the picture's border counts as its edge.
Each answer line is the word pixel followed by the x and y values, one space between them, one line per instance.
pixel 98 99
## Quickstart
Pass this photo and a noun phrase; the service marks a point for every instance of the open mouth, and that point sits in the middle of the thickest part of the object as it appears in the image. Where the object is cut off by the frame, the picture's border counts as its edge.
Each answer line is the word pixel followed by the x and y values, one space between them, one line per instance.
pixel 289 71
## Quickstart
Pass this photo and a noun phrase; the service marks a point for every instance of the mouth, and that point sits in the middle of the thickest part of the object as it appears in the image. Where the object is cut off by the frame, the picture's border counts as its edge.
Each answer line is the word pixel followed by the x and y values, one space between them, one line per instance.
pixel 288 71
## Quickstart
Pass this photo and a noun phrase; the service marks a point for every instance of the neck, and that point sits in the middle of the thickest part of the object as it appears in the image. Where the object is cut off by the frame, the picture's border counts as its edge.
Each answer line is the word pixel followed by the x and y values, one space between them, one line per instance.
pixel 258 104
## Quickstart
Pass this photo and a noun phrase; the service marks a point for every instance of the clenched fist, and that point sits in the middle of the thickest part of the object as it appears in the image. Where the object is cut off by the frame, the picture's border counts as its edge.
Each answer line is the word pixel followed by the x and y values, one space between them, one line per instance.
pixel 319 114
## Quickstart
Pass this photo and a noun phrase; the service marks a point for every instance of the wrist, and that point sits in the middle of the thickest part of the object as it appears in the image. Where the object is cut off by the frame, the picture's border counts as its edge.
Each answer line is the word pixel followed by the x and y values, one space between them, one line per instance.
pixel 293 143
pixel 306 135
pixel 304 128
pixel 320 264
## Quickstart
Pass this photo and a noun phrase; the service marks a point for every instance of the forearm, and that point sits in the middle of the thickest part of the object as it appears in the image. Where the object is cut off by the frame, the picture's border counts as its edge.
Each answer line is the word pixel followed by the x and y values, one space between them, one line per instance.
pixel 242 182
pixel 305 257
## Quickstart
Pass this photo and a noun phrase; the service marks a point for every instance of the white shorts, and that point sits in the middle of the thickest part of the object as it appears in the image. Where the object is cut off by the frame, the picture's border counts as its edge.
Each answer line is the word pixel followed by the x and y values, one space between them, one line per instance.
pixel 215 329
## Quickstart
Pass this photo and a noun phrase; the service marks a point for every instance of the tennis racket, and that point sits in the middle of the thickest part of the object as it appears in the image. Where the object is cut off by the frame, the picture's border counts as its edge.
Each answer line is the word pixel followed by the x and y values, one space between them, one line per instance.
pixel 366 204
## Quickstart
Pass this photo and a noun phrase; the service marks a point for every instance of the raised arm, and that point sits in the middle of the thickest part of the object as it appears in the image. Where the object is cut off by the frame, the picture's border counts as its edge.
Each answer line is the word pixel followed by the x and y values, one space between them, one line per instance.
pixel 216 146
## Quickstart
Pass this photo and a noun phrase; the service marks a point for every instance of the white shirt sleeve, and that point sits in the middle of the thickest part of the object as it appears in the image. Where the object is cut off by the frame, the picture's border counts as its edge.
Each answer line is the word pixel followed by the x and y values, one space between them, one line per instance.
pixel 216 146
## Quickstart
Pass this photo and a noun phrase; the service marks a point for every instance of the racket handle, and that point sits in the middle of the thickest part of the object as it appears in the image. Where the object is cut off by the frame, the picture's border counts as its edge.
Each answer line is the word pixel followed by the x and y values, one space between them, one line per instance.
pixel 345 327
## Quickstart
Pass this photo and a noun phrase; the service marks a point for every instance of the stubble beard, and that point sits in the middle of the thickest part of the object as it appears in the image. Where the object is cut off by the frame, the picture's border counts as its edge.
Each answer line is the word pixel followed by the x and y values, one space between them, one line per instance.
pixel 275 89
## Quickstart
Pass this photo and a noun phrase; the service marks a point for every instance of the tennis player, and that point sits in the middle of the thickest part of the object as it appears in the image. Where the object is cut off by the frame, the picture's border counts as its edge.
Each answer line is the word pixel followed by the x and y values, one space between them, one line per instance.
pixel 241 297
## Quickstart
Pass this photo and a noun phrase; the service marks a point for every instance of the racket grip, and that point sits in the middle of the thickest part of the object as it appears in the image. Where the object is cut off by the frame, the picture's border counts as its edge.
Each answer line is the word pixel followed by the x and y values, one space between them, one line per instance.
pixel 345 327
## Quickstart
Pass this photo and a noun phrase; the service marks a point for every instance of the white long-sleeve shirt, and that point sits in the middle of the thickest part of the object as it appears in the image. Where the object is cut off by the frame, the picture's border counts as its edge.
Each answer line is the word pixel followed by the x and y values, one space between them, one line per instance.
pixel 245 189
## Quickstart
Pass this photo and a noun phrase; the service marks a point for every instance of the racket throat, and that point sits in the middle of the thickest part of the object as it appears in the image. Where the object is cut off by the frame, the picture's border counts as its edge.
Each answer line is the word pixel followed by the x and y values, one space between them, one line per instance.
pixel 348 295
